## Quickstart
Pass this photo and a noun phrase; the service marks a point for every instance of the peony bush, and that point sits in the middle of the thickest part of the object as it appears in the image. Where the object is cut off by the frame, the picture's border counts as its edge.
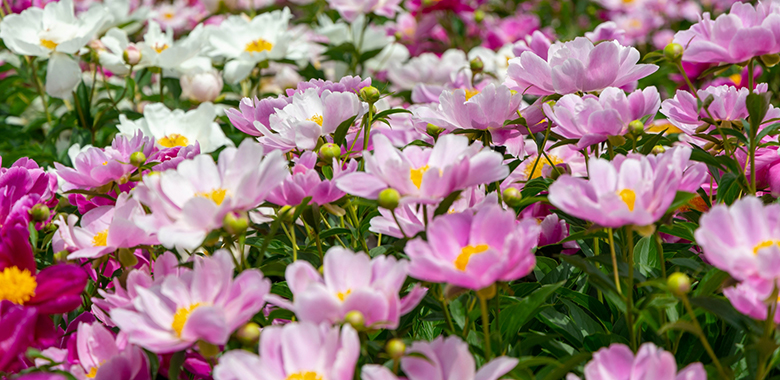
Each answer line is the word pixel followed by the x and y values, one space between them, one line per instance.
pixel 381 190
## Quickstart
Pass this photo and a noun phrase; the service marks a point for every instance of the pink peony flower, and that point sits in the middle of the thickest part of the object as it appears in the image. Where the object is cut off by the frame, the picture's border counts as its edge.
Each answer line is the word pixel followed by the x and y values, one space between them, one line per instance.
pixel 750 298
pixel 206 303
pixel 575 66
pixel 747 31
pixel 650 363
pixel 295 351
pixel 424 174
pixel 305 182
pixel 351 9
pixel 350 282
pixel 474 250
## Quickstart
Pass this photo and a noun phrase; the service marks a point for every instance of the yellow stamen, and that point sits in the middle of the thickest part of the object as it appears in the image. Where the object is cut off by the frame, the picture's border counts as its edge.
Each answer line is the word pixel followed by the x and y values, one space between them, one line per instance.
pixel 49 44
pixel 416 175
pixel 168 15
pixel 172 140
pixel 180 318
pixel 629 198
pixel 17 286
pixel 669 128
pixel 100 238
pixel 216 195
pixel 471 92
pixel 531 172
pixel 736 79
pixel 259 45
pixel 765 244
pixel 160 48
pixel 465 255
pixel 92 373
pixel 105 163
pixel 317 119
pixel 343 295
pixel 308 375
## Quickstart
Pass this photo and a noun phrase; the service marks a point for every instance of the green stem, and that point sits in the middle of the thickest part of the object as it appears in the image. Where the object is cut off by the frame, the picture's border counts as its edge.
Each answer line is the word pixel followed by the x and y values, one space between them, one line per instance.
pixel 445 308
pixel 42 93
pixel 659 247
pixel 702 338
pixel 630 299
pixel 486 327
pixel 726 144
pixel 614 259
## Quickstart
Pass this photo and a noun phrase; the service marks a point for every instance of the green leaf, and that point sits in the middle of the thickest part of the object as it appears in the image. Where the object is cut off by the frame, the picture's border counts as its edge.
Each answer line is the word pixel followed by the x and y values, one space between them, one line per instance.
pixel 680 199
pixel 728 188
pixel 177 360
pixel 711 282
pixel 566 367
pixel 444 206
pixel 649 142
pixel 333 232
pixel 765 131
pixel 341 130
pixel 391 111
pixel 757 106
pixel 524 311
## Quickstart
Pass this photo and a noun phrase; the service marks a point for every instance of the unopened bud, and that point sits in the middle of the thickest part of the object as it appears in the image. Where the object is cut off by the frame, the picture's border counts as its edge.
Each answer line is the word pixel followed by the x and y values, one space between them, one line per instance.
pixel 477 65
pixel 248 334
pixel 207 349
pixel 356 319
pixel 369 94
pixel 556 171
pixel 137 159
pixel 679 283
pixel 329 151
pixel 395 348
pixel 61 257
pixel 479 15
pixel 286 213
pixel 512 197
pixel 389 199
pixel 40 213
pixel 235 223
pixel 132 55
pixel 673 52
pixel 433 130
pixel 127 258
pixel 658 149
pixel 636 128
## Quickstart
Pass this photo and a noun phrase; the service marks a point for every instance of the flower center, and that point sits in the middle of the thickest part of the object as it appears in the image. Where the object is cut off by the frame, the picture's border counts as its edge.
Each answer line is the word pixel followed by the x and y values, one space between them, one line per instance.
pixel 160 47
pixel 471 92
pixel 180 318
pixel 531 172
pixel 629 198
pixel 172 140
pixel 92 373
pixel 736 79
pixel 49 44
pixel 100 238
pixel 416 175
pixel 317 118
pixel 168 15
pixel 17 286
pixel 216 195
pixel 465 255
pixel 308 375
pixel 765 244
pixel 259 45
pixel 343 295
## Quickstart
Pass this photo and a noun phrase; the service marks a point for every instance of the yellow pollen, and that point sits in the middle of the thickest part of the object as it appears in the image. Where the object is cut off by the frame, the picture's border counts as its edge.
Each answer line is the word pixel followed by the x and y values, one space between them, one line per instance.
pixel 532 173
pixel 628 1
pixel 168 15
pixel 669 128
pixel 317 118
pixel 49 44
pixel 343 295
pixel 765 244
pixel 100 238
pixel 17 286
pixel 92 373
pixel 308 375
pixel 417 175
pixel 105 163
pixel 629 198
pixel 634 23
pixel 217 195
pixel 180 318
pixel 736 79
pixel 465 255
pixel 258 46
pixel 172 140
pixel 471 92
pixel 159 48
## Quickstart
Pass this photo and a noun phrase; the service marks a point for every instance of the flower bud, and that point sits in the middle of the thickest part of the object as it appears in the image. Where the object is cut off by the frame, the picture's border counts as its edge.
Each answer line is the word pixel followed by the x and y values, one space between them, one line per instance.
pixel 433 130
pixel 673 52
pixel 61 257
pixel 248 334
pixel 479 15
pixel 235 223
pixel 137 159
pixel 286 213
pixel 389 199
pixel 127 258
pixel 356 319
pixel 512 197
pixel 658 149
pixel 369 94
pixel 329 151
pixel 679 283
pixel 395 348
pixel 201 87
pixel 40 213
pixel 207 349
pixel 636 128
pixel 132 55
pixel 477 65
pixel 556 172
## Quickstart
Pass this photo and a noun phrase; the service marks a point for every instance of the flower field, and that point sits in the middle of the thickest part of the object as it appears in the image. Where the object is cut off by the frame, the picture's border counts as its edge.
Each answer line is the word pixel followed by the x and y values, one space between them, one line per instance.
pixel 389 189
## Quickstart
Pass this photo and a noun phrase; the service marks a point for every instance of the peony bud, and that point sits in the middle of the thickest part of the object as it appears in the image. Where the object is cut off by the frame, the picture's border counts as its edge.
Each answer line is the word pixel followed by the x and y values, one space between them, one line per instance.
pixel 235 223
pixel 329 151
pixel 395 348
pixel 202 86
pixel 369 94
pixel 512 197
pixel 356 319
pixel 389 199
pixel 248 334
pixel 679 283
pixel 137 159
pixel 636 128
pixel 132 55
pixel 673 52
pixel 40 213
pixel 477 65
pixel 127 258
pixel 433 130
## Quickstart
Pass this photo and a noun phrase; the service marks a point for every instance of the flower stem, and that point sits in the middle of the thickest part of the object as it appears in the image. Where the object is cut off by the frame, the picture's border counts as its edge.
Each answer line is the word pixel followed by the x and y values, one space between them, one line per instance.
pixel 485 327
pixel 702 338
pixel 614 258
pixel 41 93
pixel 630 299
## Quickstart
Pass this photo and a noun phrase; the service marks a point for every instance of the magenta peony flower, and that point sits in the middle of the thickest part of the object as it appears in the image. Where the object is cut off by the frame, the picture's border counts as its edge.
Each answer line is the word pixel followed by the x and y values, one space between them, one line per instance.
pixel 295 351
pixel 444 358
pixel 747 31
pixel 206 303
pixel 350 282
pixel 305 182
pixel 650 363
pixel 593 119
pixel 474 250
pixel 742 239
pixel 250 111
pixel 634 190
pixel 575 66
pixel 18 333
pixel 423 174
